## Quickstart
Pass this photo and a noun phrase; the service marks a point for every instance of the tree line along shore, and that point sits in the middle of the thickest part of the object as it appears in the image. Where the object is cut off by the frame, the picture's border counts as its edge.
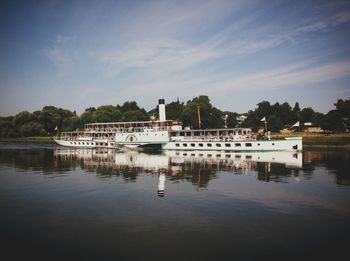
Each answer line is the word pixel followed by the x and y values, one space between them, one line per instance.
pixel 41 125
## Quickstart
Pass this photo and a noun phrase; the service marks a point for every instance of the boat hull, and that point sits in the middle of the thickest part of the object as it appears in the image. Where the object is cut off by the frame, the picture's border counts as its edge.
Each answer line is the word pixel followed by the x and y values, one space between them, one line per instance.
pixel 86 144
pixel 288 144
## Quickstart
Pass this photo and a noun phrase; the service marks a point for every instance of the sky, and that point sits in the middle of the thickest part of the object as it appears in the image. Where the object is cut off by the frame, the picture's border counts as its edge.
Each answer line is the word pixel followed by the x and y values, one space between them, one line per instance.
pixel 80 54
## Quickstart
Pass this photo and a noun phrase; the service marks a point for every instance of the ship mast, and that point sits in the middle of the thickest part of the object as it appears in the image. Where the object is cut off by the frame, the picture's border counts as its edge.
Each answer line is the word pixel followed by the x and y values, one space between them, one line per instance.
pixel 199 117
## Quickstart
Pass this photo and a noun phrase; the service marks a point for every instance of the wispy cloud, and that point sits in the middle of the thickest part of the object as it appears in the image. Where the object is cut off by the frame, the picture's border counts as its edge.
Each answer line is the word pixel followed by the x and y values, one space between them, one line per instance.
pixel 291 35
pixel 63 39
pixel 299 74
pixel 61 50
pixel 158 54
pixel 339 18
pixel 253 46
pixel 168 52
pixel 290 75
pixel 58 56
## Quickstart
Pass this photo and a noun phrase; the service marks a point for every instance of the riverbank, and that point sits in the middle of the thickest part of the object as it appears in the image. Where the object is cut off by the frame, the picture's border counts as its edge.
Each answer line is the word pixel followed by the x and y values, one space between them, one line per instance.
pixel 319 139
pixel 29 139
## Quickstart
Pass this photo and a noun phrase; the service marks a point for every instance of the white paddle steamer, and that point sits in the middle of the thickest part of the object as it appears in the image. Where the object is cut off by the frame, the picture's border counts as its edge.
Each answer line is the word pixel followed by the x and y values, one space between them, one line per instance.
pixel 169 135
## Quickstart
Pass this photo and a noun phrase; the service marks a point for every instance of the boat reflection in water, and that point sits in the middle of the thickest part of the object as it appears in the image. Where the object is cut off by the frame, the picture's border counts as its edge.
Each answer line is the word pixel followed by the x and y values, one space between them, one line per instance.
pixel 199 167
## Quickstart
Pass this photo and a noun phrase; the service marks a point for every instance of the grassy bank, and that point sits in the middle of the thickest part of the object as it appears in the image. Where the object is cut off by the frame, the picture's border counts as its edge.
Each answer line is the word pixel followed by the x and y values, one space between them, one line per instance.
pixel 29 139
pixel 319 139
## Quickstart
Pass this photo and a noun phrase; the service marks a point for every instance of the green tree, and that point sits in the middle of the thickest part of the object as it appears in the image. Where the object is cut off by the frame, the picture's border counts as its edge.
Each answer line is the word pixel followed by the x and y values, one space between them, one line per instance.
pixel 283 112
pixel 343 107
pixel 129 106
pixel 23 117
pixel 215 119
pixel 296 113
pixel 71 123
pixel 274 123
pixel 32 129
pixel 50 117
pixel 174 110
pixel 307 114
pixel 7 127
pixel 88 115
pixel 106 113
pixel 253 120
pixel 318 118
pixel 136 115
pixel 333 121
pixel 190 113
pixel 231 120
pixel 296 107
pixel 264 109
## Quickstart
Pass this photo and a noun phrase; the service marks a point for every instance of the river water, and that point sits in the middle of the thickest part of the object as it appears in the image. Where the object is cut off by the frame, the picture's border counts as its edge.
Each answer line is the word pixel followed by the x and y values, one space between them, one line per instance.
pixel 79 204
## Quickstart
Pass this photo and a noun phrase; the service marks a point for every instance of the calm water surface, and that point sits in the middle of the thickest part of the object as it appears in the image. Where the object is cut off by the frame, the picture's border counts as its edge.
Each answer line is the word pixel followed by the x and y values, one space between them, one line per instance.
pixel 59 203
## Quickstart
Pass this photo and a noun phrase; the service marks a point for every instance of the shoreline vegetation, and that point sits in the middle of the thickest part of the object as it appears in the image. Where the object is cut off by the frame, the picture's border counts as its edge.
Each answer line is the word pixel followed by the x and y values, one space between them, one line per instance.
pixel 314 140
pixel 317 129
pixel 321 140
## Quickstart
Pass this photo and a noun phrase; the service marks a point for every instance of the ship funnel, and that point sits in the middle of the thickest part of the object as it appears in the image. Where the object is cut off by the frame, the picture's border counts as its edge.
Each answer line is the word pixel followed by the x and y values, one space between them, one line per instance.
pixel 161 107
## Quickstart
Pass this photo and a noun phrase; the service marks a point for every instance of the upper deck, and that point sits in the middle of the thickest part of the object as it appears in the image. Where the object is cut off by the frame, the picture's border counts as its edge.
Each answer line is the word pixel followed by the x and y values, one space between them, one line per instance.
pixel 214 134
pixel 138 126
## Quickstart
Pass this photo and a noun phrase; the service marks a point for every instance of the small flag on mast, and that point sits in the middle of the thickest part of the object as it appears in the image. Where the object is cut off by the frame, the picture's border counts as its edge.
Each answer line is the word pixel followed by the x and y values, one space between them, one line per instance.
pixel 56 128
pixel 263 119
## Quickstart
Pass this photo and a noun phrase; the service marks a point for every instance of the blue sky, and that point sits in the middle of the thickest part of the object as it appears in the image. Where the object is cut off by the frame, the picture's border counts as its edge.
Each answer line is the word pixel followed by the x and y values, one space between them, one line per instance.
pixel 78 54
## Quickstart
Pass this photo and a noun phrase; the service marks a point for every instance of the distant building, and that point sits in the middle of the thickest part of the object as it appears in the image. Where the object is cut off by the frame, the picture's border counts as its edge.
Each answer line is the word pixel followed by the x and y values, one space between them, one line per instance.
pixel 311 128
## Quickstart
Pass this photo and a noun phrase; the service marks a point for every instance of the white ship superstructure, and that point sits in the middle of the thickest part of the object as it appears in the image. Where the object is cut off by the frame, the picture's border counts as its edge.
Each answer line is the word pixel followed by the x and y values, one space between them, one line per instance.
pixel 117 134
pixel 236 139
